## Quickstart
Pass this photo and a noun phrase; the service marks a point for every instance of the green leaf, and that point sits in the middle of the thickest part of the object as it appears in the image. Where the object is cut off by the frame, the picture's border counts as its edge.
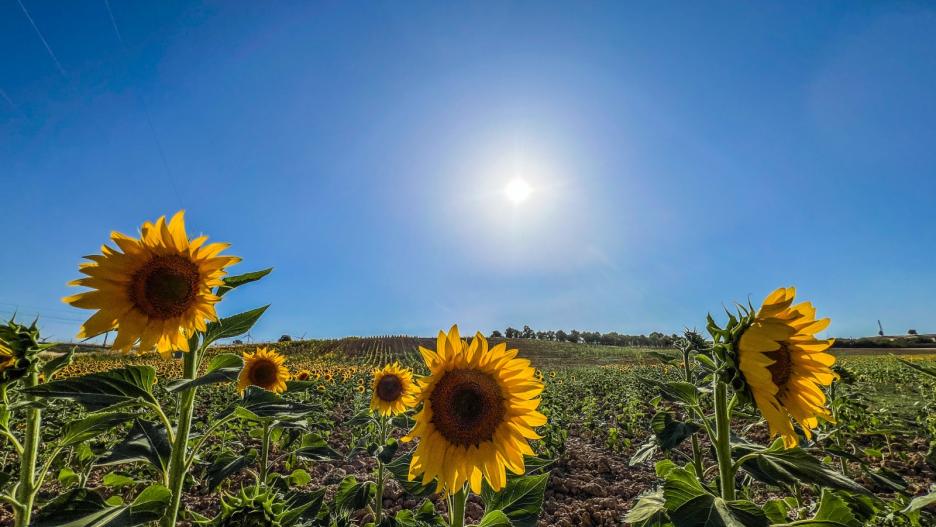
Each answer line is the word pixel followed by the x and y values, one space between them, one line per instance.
pixel 92 426
pixel 232 282
pixel 259 404
pixel 712 511
pixel 777 511
pixel 303 506
pixel 922 369
pixel 678 391
pixel 399 467
pixel 113 480
pixel 147 442
pixel 227 465
pixel 85 508
pixel 67 477
pixel 124 386
pixel 51 366
pixel 921 502
pixel 352 496
pixel 386 452
pixel 650 507
pixel 495 519
pixel 233 326
pixel 224 367
pixel 670 432
pixel 776 465
pixel 644 453
pixel 521 500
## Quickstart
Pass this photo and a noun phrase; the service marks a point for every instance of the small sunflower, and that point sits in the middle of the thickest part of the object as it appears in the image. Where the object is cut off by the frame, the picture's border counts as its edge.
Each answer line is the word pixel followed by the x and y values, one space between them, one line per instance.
pixel 303 375
pixel 157 292
pixel 784 365
pixel 393 390
pixel 7 360
pixel 479 410
pixel 265 369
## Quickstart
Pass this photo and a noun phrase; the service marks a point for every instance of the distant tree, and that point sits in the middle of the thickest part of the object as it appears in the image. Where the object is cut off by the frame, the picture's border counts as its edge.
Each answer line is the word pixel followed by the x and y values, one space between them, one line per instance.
pixel 527 333
pixel 575 336
pixel 497 334
pixel 542 335
pixel 912 332
pixel 550 335
pixel 237 342
pixel 285 338
pixel 511 333
pixel 562 336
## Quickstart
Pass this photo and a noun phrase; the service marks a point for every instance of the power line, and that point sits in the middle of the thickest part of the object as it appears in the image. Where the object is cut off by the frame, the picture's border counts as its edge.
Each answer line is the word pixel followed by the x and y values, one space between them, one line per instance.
pixel 42 38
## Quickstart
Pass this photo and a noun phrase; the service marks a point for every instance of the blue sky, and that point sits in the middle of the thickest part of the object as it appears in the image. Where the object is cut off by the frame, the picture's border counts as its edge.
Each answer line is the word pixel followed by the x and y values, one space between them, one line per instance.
pixel 681 156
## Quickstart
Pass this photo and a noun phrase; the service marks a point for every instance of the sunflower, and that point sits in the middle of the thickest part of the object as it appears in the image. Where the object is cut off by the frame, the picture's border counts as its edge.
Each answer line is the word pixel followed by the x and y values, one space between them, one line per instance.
pixel 157 291
pixel 784 365
pixel 265 369
pixel 393 390
pixel 7 360
pixel 479 410
pixel 303 375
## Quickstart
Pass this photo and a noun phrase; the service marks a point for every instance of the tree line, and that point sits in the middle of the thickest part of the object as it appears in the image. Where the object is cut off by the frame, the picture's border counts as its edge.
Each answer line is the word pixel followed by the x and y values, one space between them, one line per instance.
pixel 653 340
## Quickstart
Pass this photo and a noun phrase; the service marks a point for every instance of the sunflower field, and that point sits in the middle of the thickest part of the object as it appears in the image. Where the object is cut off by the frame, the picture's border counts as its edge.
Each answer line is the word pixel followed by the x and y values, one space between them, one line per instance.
pixel 758 422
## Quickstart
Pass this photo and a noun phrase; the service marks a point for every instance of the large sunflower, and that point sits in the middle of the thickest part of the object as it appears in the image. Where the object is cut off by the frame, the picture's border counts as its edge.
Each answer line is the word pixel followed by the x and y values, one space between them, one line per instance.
pixel 265 369
pixel 479 410
pixel 393 390
pixel 784 365
pixel 157 291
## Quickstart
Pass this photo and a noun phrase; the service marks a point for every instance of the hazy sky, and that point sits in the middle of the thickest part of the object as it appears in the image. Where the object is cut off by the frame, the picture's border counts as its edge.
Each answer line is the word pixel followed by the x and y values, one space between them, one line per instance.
pixel 681 157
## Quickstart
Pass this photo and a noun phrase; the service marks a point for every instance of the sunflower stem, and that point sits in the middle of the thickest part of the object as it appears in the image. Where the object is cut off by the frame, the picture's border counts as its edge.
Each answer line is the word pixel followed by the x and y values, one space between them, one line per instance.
pixel 26 489
pixel 265 452
pixel 177 461
pixel 696 449
pixel 722 441
pixel 457 510
pixel 378 498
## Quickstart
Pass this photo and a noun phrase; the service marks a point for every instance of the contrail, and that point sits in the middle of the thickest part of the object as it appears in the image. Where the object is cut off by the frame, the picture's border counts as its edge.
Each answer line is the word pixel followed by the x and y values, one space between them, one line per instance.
pixel 42 38
pixel 7 98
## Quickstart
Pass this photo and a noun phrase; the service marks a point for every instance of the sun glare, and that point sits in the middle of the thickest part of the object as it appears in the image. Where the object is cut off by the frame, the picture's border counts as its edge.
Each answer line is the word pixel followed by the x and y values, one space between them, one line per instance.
pixel 518 191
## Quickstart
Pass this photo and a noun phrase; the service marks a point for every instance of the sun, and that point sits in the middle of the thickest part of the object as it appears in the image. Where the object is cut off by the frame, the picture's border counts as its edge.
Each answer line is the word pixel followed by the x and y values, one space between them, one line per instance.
pixel 518 191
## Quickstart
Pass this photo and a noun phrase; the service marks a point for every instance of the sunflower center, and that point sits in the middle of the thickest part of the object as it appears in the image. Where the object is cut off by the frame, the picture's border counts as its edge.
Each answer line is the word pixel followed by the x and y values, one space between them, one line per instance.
pixel 390 388
pixel 264 374
pixel 165 287
pixel 467 407
pixel 782 367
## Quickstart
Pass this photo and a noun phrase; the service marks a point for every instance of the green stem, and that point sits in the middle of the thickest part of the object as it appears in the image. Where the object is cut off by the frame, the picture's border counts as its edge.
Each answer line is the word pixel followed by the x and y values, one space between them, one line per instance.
pixel 265 452
pixel 457 511
pixel 177 461
pixel 696 448
pixel 162 417
pixel 12 438
pixel 378 498
pixel 722 441
pixel 26 490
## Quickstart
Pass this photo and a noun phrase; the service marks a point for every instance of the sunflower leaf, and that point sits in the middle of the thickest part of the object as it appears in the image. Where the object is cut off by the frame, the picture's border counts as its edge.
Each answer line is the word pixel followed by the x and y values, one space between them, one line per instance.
pixel 224 367
pixel 55 364
pixel 775 465
pixel 92 426
pixel 315 448
pixel 352 495
pixel 146 442
pixel 124 386
pixel 670 432
pixel 233 326
pixel 495 519
pixel 650 507
pixel 85 508
pixel 521 500
pixel 227 465
pixel 262 404
pixel 235 281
